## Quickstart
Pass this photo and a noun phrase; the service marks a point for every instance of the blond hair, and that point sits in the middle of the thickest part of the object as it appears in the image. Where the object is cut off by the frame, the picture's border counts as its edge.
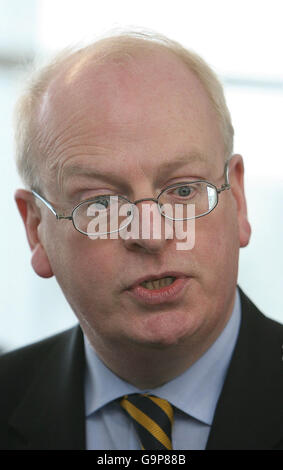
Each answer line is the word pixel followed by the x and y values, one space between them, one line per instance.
pixel 26 137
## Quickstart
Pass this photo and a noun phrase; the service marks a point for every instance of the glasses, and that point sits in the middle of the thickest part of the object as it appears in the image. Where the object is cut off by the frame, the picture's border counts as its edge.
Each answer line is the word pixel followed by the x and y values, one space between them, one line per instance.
pixel 107 213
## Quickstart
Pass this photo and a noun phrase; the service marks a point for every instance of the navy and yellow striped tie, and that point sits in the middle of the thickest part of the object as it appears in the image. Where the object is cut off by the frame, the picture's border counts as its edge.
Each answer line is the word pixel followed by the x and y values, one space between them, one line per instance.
pixel 152 418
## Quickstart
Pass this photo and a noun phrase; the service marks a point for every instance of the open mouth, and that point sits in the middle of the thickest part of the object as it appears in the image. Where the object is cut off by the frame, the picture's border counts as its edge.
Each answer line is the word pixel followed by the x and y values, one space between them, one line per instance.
pixel 158 283
pixel 159 290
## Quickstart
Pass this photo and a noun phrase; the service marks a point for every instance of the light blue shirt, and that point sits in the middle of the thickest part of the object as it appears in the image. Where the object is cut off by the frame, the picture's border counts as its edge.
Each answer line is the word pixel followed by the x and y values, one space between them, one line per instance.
pixel 194 395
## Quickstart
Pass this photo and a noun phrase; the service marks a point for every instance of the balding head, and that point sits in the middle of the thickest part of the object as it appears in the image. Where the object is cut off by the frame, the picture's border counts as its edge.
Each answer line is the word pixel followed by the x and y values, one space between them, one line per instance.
pixel 70 69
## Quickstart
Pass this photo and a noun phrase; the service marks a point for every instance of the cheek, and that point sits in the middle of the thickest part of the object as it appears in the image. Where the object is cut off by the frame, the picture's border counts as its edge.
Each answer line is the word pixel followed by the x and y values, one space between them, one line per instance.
pixel 84 268
pixel 98 264
pixel 217 244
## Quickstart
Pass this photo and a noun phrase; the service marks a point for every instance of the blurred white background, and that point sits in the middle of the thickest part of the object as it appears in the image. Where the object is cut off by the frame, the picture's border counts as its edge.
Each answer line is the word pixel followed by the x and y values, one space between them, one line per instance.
pixel 242 40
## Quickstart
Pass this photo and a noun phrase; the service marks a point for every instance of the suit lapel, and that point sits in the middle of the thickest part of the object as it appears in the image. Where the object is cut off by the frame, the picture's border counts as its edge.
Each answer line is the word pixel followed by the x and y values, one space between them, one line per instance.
pixel 51 415
pixel 249 412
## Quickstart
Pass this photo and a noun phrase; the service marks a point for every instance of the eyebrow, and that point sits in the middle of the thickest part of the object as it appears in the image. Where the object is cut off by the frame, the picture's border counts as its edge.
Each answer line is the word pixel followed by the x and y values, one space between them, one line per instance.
pixel 182 160
pixel 179 162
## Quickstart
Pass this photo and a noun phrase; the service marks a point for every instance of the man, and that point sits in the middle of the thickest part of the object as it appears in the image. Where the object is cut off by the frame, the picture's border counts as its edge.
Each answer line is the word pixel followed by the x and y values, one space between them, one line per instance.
pixel 138 121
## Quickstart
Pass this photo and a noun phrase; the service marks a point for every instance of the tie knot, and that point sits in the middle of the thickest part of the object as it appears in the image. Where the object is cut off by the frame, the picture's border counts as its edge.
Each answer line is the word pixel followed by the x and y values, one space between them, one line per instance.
pixel 152 418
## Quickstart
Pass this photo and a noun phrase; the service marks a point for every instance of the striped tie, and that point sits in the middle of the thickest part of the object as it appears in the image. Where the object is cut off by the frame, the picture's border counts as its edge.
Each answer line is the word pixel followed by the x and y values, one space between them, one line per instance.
pixel 152 418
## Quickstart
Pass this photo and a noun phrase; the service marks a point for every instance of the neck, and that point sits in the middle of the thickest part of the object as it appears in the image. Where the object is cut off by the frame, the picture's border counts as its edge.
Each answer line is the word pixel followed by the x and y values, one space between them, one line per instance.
pixel 148 367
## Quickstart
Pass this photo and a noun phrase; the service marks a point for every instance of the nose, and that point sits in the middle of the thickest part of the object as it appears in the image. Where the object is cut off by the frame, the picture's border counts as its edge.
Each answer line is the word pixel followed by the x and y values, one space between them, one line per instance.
pixel 149 230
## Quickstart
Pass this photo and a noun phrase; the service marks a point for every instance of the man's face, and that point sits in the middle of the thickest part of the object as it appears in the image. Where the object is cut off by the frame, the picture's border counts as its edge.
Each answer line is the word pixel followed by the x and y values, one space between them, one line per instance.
pixel 132 128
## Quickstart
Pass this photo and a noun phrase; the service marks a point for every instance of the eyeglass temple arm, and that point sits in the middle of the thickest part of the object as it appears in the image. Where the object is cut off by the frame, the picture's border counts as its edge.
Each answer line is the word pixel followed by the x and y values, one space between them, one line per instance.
pixel 226 185
pixel 50 207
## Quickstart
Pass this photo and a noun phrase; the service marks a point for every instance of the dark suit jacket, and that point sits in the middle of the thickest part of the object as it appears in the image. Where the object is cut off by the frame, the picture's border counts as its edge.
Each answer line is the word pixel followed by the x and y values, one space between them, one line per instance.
pixel 42 391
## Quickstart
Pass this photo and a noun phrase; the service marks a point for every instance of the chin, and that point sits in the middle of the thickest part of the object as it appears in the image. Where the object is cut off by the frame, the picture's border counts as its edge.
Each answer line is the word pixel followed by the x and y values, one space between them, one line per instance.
pixel 162 331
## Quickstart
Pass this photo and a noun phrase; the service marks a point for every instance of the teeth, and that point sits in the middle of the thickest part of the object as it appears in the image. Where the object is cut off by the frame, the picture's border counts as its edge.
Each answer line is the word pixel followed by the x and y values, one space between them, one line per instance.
pixel 158 283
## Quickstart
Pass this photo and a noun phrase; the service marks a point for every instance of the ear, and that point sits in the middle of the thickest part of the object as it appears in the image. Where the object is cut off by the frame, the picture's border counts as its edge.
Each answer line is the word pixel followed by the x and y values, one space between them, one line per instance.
pixel 31 216
pixel 236 174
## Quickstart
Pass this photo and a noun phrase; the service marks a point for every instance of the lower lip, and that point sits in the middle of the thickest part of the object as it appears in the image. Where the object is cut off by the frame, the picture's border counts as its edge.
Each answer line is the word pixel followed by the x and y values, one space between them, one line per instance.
pixel 160 296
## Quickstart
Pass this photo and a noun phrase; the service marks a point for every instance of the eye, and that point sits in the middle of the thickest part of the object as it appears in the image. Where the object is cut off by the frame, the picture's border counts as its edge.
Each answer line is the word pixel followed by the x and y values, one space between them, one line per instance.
pixel 96 204
pixel 102 202
pixel 183 191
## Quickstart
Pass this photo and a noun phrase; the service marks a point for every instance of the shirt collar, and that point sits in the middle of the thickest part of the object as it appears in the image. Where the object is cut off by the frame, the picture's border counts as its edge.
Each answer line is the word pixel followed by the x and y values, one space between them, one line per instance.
pixel 195 392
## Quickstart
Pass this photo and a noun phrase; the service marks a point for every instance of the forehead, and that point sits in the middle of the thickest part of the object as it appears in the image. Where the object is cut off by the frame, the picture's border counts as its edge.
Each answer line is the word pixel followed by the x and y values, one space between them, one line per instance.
pixel 144 101
pixel 109 87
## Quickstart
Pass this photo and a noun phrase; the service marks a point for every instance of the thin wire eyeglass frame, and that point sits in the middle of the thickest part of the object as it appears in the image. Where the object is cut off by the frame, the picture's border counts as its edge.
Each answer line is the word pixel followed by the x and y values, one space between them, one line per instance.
pixel 225 186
